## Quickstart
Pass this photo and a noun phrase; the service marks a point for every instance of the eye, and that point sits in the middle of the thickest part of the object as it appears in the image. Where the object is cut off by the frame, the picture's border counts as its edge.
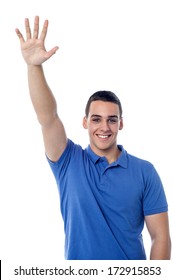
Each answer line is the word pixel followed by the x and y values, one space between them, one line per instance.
pixel 113 121
pixel 96 120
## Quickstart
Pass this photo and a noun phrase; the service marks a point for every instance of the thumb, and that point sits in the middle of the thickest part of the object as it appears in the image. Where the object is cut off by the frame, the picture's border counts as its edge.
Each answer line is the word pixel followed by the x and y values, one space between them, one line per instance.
pixel 52 51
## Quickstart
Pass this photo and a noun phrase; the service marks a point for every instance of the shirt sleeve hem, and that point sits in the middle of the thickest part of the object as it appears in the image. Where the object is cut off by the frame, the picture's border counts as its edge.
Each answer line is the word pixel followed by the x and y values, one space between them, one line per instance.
pixel 156 211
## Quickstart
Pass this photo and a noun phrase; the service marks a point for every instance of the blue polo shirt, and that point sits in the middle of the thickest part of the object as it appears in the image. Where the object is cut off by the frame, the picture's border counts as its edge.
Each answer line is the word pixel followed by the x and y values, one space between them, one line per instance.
pixel 103 205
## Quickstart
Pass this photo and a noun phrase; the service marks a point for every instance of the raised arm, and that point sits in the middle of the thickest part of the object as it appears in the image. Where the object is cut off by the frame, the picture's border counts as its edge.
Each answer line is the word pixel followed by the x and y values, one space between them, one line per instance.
pixel 44 103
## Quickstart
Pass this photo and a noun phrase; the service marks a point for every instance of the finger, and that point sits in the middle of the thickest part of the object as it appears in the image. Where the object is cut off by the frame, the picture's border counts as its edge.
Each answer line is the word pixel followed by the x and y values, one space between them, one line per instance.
pixel 36 27
pixel 51 52
pixel 44 30
pixel 19 34
pixel 27 28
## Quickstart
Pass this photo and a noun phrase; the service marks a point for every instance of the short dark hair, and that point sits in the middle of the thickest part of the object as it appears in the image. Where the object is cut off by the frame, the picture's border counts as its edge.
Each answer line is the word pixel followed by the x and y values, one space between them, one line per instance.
pixel 106 96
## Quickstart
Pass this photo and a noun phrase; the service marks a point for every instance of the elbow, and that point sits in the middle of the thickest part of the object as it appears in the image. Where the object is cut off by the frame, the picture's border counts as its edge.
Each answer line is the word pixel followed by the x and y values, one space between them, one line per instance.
pixel 161 248
pixel 170 247
pixel 46 119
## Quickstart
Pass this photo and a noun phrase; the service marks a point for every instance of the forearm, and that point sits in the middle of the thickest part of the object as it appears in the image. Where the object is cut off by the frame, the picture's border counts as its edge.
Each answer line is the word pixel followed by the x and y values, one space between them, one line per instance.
pixel 161 249
pixel 42 98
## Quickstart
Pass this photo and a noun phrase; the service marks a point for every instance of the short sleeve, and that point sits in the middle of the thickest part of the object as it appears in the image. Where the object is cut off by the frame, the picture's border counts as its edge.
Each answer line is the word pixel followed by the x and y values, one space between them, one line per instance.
pixel 59 167
pixel 154 199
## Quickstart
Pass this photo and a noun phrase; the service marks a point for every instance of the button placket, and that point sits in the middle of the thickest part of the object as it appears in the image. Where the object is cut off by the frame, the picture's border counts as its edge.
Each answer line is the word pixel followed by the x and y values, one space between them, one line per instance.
pixel 103 176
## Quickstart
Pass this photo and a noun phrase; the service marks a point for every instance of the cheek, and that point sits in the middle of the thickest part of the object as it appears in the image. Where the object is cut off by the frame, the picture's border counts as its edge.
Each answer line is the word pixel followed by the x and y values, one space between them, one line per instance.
pixel 92 129
pixel 114 129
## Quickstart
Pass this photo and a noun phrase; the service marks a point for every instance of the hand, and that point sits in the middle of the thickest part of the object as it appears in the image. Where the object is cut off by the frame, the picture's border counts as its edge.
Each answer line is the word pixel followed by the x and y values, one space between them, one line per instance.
pixel 33 48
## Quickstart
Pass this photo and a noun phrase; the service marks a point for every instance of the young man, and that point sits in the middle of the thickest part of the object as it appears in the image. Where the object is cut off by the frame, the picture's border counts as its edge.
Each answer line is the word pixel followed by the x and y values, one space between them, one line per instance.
pixel 106 194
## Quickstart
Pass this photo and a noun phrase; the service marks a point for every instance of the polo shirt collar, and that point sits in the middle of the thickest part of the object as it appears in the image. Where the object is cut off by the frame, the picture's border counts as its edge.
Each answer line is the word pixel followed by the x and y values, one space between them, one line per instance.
pixel 122 160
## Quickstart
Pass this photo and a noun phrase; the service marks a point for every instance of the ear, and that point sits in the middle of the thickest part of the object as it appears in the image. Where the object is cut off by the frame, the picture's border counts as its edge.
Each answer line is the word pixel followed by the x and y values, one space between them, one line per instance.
pixel 85 122
pixel 121 124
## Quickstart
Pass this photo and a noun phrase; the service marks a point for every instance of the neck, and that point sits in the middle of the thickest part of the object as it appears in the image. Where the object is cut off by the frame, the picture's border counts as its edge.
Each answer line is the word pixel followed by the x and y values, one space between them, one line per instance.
pixel 112 157
pixel 110 154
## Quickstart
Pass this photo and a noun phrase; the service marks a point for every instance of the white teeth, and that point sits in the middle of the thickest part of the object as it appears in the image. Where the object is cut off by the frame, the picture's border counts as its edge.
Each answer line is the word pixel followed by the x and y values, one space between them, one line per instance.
pixel 103 136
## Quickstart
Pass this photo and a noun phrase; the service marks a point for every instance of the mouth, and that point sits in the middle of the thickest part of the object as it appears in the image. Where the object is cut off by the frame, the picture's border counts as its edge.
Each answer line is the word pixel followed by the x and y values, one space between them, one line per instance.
pixel 102 136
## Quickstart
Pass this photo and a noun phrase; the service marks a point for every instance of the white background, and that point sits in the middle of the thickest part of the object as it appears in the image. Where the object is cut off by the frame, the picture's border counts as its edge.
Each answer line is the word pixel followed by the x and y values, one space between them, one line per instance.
pixel 124 46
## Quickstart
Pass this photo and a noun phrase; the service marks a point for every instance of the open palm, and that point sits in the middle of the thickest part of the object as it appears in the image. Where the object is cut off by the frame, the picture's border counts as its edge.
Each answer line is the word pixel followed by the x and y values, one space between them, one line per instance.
pixel 33 48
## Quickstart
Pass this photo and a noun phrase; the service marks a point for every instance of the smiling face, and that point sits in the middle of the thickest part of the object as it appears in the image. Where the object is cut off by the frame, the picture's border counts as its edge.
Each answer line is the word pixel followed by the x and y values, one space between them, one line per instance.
pixel 103 123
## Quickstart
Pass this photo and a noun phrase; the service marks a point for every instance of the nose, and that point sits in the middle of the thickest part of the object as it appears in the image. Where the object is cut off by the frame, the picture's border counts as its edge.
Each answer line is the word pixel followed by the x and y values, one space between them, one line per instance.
pixel 104 126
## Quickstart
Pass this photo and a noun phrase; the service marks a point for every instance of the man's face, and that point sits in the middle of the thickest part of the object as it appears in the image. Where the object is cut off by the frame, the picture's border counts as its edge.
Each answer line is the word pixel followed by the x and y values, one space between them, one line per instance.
pixel 103 124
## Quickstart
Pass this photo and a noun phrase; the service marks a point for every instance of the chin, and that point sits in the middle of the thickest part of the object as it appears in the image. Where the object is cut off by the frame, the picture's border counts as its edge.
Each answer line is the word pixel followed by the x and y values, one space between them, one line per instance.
pixel 102 148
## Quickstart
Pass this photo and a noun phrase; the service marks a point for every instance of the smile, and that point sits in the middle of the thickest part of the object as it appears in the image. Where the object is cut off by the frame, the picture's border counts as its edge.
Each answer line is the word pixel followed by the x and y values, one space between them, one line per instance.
pixel 103 136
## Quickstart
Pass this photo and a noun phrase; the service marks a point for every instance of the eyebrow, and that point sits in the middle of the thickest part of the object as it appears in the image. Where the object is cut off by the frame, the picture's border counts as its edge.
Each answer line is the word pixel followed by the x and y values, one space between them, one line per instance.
pixel 99 116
